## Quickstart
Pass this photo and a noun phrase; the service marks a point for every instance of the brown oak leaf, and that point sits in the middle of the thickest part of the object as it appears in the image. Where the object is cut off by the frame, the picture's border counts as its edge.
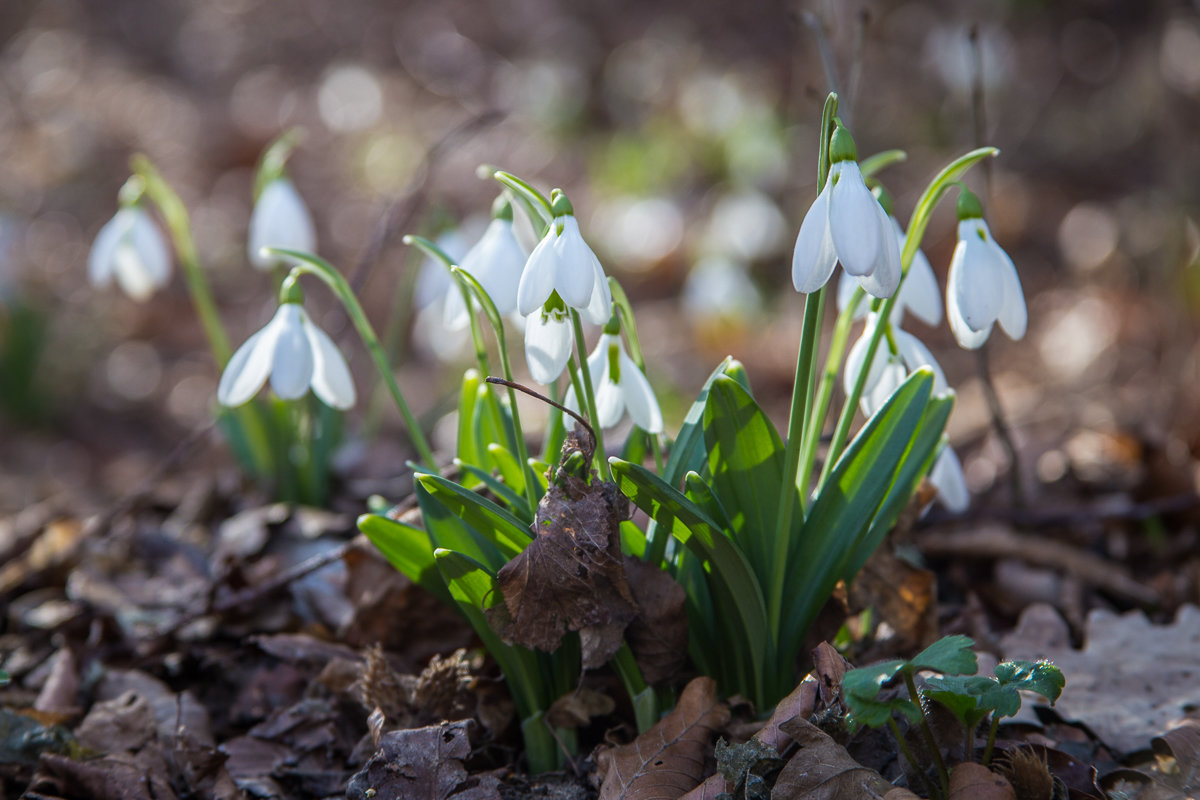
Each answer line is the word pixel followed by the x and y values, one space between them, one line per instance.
pixel 659 635
pixel 822 769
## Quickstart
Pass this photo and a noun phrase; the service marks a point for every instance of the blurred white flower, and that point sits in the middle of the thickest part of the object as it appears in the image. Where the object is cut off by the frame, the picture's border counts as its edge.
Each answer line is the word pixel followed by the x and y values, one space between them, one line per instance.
pixel 947 478
pixel 496 261
pixel 846 223
pixel 888 370
pixel 619 386
pixel 919 293
pixel 982 288
pixel 280 219
pixel 132 249
pixel 720 287
pixel 548 340
pixel 296 355
pixel 563 262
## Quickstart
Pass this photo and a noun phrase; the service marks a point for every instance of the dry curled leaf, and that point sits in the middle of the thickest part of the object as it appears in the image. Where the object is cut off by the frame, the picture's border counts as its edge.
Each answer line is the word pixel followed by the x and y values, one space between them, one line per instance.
pixel 822 769
pixel 578 708
pixel 667 760
pixel 571 577
pixel 658 636
pixel 422 764
pixel 976 782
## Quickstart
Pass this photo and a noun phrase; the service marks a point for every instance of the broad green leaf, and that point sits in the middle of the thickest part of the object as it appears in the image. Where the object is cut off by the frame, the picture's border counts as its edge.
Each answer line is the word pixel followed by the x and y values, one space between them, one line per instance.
pixel 504 530
pixel 865 682
pixel 1034 676
pixel 509 467
pixel 487 422
pixel 446 529
pixel 467 449
pixel 845 505
pixel 633 540
pixel 914 466
pixel 961 695
pixel 700 493
pixel 950 655
pixel 406 548
pixel 687 452
pixel 873 713
pixel 516 503
pixel 745 462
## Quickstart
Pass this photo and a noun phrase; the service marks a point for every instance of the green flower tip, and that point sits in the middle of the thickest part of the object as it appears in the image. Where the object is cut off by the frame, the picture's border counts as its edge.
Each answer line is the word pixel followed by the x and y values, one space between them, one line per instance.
pixel 560 206
pixel 613 326
pixel 969 206
pixel 502 208
pixel 290 291
pixel 885 198
pixel 131 191
pixel 841 145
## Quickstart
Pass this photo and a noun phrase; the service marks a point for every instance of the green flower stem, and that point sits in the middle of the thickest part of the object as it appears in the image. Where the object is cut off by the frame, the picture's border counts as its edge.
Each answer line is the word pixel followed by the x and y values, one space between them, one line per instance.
pixel 930 742
pixel 908 756
pixel 940 184
pixel 555 426
pixel 315 265
pixel 518 436
pixel 274 158
pixel 589 395
pixel 629 325
pixel 991 740
pixel 645 703
pixel 879 161
pixel 534 202
pixel 247 420
pixel 833 362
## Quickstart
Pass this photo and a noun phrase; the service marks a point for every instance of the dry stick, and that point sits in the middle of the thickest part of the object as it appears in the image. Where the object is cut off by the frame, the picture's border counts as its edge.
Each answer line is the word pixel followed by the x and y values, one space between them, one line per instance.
pixel 827 61
pixel 548 401
pixel 999 420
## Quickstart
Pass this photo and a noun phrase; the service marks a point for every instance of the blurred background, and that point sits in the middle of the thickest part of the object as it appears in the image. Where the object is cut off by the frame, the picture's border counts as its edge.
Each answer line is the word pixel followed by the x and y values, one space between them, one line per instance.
pixel 685 134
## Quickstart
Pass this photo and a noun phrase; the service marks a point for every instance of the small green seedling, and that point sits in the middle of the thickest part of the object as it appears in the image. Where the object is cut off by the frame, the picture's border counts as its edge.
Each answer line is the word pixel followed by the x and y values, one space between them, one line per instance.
pixel 969 697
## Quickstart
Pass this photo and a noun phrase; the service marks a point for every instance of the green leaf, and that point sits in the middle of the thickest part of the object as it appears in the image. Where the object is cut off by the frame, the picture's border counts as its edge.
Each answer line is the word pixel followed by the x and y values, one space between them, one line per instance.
pixel 866 682
pixel 515 502
pixel 745 462
pixel 845 505
pixel 961 695
pixel 467 449
pixel 687 452
pixel 500 527
pixel 950 655
pixel 1034 676
pixel 880 161
pixel 447 530
pixel 406 548
pixel 873 713
pixel 700 493
pixel 509 467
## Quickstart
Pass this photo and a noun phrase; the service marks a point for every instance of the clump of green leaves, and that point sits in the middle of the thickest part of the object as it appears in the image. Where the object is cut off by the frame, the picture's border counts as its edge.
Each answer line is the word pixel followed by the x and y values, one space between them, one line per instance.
pixel 969 697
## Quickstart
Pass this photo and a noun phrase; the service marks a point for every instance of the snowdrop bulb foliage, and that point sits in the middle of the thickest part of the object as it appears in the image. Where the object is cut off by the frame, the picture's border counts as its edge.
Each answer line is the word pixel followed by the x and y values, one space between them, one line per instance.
pixel 280 219
pixel 846 223
pixel 919 293
pixel 496 261
pixel 983 287
pixel 619 386
pixel 295 355
pixel 131 249
pixel 563 262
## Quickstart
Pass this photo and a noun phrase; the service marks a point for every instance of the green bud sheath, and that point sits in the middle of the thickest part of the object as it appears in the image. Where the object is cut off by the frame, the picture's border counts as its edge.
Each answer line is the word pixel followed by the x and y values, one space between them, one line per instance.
pixel 502 209
pixel 290 291
pixel 560 206
pixel 969 206
pixel 841 145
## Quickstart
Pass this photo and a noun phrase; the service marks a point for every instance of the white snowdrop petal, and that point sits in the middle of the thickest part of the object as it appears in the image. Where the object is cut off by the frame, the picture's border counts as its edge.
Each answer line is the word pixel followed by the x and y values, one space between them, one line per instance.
pixel 813 257
pixel 496 261
pixel 547 347
pixel 967 337
pixel 130 270
pixel 575 278
pixel 915 355
pixel 884 279
pixel 979 285
pixel 920 293
pixel 152 248
pixel 100 259
pixel 599 307
pixel 639 397
pixel 610 404
pixel 1014 317
pixel 947 476
pixel 279 219
pixel 891 375
pixel 853 221
pixel 857 356
pixel 537 279
pixel 454 310
pixel 331 380
pixel 248 369
pixel 292 359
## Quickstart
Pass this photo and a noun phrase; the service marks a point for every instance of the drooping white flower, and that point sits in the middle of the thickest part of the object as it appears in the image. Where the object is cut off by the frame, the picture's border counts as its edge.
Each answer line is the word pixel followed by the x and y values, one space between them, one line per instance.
pixel 496 261
pixel 563 262
pixel 983 287
pixel 280 219
pixel 548 341
pixel 296 355
pixel 846 223
pixel 919 293
pixel 947 478
pixel 131 249
pixel 720 288
pixel 888 370
pixel 619 386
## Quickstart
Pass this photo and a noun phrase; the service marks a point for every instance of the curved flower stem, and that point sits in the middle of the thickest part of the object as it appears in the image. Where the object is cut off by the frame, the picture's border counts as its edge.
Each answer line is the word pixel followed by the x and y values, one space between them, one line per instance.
pixel 249 421
pixel 833 361
pixel 589 394
pixel 315 265
pixel 940 184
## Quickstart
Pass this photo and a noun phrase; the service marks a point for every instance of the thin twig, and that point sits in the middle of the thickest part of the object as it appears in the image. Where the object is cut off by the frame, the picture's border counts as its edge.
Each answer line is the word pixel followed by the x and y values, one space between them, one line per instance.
pixel 548 401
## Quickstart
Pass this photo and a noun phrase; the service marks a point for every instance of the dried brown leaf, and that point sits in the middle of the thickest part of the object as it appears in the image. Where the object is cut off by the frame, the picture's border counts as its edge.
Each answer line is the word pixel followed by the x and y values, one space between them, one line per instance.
pixel 658 636
pixel 579 708
pixel 117 725
pixel 571 577
pixel 976 782
pixel 58 693
pixel 822 769
pixel 903 596
pixel 422 764
pixel 667 760
pixel 900 793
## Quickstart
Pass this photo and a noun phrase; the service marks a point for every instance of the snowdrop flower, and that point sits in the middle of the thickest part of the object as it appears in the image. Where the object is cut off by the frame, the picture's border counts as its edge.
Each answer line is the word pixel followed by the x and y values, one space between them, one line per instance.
pixel 983 287
pixel 618 385
pixel 888 370
pixel 563 263
pixel 496 261
pixel 130 248
pixel 280 219
pixel 294 353
pixel 919 291
pixel 947 478
pixel 548 340
pixel 846 223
